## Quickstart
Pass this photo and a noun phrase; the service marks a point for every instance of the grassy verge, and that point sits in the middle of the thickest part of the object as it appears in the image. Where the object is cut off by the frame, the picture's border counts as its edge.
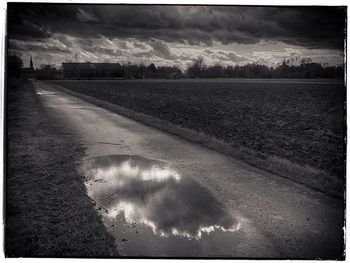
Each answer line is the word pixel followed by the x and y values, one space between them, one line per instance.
pixel 295 130
pixel 47 211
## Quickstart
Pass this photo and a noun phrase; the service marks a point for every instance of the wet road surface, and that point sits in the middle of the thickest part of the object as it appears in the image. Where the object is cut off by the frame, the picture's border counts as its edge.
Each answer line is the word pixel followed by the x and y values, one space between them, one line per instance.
pixel 162 196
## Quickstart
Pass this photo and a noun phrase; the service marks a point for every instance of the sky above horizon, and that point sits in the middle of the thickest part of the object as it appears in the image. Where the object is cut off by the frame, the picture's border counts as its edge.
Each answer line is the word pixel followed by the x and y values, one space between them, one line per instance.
pixel 175 35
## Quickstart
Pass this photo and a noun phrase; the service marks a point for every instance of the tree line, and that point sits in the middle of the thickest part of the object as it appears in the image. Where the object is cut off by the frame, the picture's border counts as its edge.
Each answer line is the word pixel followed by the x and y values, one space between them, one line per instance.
pixel 140 71
pixel 286 69
pixel 305 69
pixel 115 70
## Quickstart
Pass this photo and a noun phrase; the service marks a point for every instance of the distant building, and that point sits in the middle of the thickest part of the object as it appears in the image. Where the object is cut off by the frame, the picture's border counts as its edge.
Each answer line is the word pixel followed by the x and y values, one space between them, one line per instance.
pixel 29 72
pixel 89 70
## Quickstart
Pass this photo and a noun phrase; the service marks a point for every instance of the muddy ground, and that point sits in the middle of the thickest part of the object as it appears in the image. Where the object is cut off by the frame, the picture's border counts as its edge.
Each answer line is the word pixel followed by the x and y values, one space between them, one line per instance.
pixel 47 210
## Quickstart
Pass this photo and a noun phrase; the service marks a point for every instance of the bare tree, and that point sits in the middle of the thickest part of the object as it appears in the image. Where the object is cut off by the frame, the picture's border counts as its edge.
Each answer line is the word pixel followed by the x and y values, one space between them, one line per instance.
pixel 195 69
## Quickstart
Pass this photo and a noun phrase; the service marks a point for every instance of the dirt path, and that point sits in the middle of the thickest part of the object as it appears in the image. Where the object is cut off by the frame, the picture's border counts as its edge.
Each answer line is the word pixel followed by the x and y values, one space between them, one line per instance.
pixel 270 216
pixel 47 210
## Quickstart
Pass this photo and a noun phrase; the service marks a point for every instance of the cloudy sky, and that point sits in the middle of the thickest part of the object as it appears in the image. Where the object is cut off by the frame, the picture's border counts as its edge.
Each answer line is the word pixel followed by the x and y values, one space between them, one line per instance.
pixel 175 35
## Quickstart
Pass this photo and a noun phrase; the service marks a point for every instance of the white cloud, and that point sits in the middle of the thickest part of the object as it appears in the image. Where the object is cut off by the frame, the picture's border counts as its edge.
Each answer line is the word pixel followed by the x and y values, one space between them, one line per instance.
pixel 61 47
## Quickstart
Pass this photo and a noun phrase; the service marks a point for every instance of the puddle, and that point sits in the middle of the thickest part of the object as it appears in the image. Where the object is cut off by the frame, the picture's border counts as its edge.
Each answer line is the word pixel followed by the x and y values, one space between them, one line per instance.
pixel 161 202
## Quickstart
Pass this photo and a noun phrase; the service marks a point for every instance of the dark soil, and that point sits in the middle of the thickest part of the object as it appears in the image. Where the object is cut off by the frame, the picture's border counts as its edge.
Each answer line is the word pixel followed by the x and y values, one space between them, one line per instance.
pixel 48 212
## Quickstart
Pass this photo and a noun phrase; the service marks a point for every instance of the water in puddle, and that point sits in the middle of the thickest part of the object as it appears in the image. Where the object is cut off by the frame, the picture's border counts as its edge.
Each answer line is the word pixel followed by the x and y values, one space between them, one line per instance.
pixel 152 210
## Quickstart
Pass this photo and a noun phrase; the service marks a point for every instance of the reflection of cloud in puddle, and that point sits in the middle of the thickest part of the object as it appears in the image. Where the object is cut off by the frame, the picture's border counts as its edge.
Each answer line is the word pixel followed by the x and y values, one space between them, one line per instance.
pixel 135 214
pixel 148 192
pixel 119 175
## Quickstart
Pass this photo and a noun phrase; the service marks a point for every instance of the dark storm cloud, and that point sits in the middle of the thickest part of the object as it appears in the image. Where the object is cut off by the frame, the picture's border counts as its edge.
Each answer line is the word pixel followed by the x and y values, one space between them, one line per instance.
pixel 37 46
pixel 84 16
pixel 51 49
pixel 312 27
pixel 28 30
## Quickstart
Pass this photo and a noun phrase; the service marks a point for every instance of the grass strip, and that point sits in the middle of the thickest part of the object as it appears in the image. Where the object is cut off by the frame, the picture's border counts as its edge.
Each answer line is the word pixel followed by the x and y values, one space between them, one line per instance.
pixel 46 215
